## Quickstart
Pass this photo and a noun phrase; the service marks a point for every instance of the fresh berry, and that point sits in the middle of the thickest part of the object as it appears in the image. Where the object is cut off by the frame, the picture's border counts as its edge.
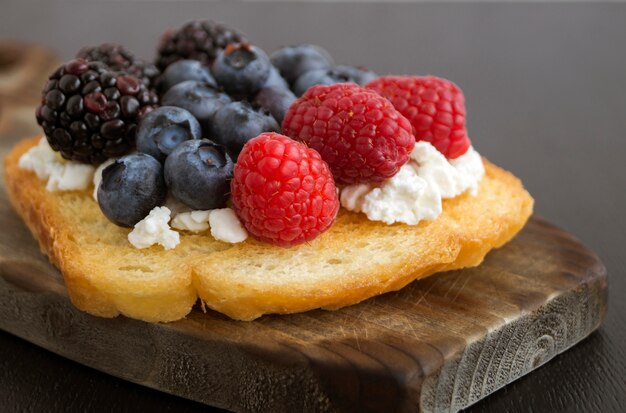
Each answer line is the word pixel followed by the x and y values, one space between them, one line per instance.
pixel 118 58
pixel 275 79
pixel 275 100
pixel 184 70
pixel 241 69
pixel 199 98
pixel 130 188
pixel 89 113
pixel 358 75
pixel 198 173
pixel 434 106
pixel 317 77
pixel 196 40
pixel 358 132
pixel 238 122
pixel 293 61
pixel 283 191
pixel 163 129
pixel 338 74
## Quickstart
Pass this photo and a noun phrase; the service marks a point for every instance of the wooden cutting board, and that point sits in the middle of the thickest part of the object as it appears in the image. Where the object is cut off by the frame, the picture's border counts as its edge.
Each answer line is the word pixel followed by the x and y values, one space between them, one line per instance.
pixel 440 344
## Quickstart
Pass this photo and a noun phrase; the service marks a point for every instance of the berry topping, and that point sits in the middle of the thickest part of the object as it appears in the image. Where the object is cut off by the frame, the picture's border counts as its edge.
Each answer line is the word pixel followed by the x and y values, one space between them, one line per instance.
pixel 196 40
pixel 434 106
pixel 163 129
pixel 182 71
pixel 356 131
pixel 294 61
pixel 118 58
pixel 241 69
pixel 338 74
pixel 89 113
pixel 130 188
pixel 275 100
pixel 283 191
pixel 198 173
pixel 238 122
pixel 201 99
pixel 275 79
pixel 358 75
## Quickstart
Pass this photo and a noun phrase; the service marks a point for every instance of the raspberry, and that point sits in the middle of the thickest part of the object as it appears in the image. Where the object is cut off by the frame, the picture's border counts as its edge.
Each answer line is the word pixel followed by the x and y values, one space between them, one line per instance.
pixel 356 131
pixel 434 106
pixel 282 191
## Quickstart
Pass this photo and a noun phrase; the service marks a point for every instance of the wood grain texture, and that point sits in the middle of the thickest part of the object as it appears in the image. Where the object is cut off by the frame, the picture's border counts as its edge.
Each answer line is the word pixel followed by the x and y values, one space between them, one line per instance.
pixel 440 344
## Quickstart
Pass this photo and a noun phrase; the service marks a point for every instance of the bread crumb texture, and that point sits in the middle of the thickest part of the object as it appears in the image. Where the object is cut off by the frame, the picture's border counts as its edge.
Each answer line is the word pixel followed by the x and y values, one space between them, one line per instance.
pixel 354 260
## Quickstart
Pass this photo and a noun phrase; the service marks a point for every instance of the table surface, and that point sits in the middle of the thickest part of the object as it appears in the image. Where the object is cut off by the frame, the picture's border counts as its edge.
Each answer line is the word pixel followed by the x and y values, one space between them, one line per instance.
pixel 546 94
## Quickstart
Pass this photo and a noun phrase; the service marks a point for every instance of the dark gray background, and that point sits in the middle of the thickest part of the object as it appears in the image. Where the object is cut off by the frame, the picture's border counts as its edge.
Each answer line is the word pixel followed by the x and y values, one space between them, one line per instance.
pixel 546 94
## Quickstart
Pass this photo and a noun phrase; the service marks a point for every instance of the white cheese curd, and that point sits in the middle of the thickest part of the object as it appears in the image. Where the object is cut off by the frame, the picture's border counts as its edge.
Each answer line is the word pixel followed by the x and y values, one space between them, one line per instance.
pixel 97 177
pixel 39 158
pixel 62 175
pixel 416 191
pixel 453 177
pixel 405 197
pixel 154 229
pixel 225 226
pixel 69 176
pixel 194 221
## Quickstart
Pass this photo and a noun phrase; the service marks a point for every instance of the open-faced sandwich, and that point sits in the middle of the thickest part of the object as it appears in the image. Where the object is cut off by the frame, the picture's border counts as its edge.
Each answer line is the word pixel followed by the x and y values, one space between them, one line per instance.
pixel 259 184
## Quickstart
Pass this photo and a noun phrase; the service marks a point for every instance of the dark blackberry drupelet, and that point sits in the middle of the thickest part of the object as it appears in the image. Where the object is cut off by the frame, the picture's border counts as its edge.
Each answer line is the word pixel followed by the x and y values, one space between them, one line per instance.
pixel 197 40
pixel 89 113
pixel 119 58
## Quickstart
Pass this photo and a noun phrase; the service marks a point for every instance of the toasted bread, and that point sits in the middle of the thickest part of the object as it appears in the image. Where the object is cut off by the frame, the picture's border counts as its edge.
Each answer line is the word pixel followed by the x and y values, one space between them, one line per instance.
pixel 354 260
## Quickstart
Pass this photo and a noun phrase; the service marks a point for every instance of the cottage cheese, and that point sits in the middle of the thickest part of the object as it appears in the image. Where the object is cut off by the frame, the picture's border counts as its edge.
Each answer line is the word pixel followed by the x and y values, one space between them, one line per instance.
pixel 61 175
pixel 225 226
pixel 416 191
pixel 154 229
pixel 194 221
pixel 453 177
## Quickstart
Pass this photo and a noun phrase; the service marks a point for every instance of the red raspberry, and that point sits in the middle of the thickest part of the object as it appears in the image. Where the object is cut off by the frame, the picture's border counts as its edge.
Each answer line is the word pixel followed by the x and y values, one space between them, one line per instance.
pixel 283 191
pixel 434 106
pixel 358 132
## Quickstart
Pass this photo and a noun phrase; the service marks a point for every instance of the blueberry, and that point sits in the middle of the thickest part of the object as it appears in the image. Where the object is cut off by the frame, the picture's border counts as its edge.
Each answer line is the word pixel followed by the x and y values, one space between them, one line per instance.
pixel 275 79
pixel 238 122
pixel 163 129
pixel 198 173
pixel 338 74
pixel 199 98
pixel 293 61
pixel 241 69
pixel 182 71
pixel 130 188
pixel 275 100
pixel 318 77
pixel 358 75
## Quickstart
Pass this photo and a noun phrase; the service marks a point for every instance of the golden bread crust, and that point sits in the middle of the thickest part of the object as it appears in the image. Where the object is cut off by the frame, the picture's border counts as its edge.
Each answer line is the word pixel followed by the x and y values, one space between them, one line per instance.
pixel 354 260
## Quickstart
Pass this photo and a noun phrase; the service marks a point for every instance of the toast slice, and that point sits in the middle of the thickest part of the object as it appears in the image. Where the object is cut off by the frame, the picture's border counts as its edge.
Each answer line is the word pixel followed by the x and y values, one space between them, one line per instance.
pixel 354 260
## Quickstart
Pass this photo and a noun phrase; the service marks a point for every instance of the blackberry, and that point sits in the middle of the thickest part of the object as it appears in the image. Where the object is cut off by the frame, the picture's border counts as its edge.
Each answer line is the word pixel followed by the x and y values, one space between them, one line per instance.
pixel 89 112
pixel 119 58
pixel 196 40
